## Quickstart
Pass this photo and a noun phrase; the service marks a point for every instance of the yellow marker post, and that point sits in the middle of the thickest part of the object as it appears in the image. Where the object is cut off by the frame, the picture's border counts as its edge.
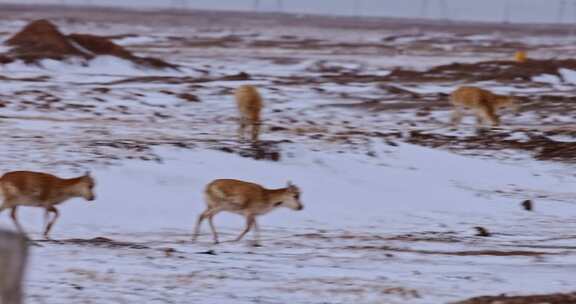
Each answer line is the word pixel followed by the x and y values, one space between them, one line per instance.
pixel 520 56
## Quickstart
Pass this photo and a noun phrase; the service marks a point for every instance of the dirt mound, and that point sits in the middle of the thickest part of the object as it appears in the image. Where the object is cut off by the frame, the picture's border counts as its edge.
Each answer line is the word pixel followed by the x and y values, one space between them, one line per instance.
pixel 505 71
pixel 43 40
pixel 558 298
pixel 100 45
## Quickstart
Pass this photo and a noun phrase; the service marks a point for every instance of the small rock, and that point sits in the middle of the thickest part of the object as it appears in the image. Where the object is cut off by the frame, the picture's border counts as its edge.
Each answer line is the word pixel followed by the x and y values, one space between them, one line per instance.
pixel 277 128
pixel 168 252
pixel 483 232
pixel 189 97
pixel 528 205
pixel 209 252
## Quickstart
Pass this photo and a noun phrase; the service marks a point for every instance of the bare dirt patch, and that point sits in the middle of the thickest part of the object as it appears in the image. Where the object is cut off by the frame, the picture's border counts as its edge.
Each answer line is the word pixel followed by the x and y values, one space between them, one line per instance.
pixel 261 150
pixel 98 242
pixel 242 76
pixel 541 146
pixel 558 298
pixel 504 71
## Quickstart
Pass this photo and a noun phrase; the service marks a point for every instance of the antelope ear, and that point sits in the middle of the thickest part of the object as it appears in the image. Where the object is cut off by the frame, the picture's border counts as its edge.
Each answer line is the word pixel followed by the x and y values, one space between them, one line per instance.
pixel 87 173
pixel 289 184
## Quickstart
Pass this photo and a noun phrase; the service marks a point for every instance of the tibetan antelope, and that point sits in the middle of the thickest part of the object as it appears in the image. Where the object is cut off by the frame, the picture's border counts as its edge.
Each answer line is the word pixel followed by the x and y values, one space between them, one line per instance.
pixel 249 104
pixel 483 102
pixel 247 199
pixel 35 189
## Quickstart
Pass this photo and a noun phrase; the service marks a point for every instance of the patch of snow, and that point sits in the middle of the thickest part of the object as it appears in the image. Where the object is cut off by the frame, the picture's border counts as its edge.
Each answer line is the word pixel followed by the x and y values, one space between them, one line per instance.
pixel 481 37
pixel 547 78
pixel 518 136
pixel 430 89
pixel 4 48
pixel 568 75
pixel 99 69
pixel 135 40
pixel 563 138
pixel 413 192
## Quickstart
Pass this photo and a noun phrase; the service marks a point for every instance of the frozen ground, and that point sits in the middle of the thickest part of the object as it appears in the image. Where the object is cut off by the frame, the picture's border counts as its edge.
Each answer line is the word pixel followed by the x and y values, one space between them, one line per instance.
pixel 387 219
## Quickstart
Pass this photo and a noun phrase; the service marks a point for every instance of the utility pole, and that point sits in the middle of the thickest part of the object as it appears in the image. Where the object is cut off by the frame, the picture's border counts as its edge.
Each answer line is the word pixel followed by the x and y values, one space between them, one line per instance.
pixel 256 5
pixel 358 7
pixel 574 18
pixel 506 15
pixel 280 5
pixel 424 4
pixel 179 4
pixel 561 11
pixel 445 14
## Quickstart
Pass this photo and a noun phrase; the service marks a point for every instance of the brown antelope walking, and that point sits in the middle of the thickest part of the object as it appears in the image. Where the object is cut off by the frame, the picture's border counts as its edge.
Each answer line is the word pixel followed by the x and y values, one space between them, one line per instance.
pixel 247 199
pixel 483 102
pixel 249 104
pixel 35 189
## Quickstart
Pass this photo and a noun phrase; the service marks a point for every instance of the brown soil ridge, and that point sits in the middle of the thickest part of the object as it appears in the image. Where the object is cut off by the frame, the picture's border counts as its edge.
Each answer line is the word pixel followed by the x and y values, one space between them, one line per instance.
pixel 542 147
pixel 557 298
pixel 507 71
pixel 41 39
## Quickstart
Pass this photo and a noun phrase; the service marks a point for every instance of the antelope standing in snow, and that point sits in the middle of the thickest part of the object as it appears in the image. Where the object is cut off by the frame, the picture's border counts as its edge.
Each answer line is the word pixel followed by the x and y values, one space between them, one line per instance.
pixel 247 199
pixel 249 104
pixel 483 102
pixel 35 189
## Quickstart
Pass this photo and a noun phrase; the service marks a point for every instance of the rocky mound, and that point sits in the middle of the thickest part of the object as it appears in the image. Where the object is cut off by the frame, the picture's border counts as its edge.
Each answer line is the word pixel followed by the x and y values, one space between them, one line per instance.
pixel 43 40
pixel 505 71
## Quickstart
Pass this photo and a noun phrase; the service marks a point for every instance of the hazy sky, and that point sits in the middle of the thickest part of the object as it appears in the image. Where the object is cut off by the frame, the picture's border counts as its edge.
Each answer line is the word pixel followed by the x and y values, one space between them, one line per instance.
pixel 484 10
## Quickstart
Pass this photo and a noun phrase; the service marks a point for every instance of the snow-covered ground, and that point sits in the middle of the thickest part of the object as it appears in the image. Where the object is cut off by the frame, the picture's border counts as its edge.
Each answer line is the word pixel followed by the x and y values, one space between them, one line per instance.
pixel 385 221
pixel 398 229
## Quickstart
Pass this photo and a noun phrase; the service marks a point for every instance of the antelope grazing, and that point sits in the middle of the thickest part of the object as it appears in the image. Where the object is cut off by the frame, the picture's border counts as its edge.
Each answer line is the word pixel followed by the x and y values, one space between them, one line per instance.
pixel 483 102
pixel 247 199
pixel 35 189
pixel 249 104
